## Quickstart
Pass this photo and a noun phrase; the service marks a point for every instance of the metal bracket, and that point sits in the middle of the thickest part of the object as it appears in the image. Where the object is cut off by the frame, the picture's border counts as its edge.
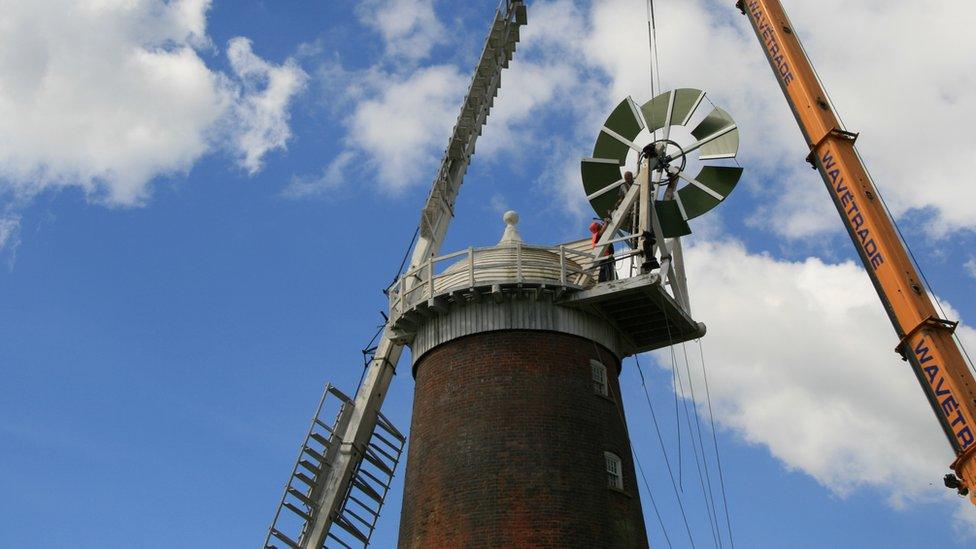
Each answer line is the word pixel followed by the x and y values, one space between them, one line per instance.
pixel 930 322
pixel 836 132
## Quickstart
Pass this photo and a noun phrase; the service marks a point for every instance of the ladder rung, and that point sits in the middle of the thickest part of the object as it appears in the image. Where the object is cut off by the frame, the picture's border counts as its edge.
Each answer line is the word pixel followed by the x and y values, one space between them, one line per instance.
pixel 324 425
pixel 340 540
pixel 389 428
pixel 395 447
pixel 344 523
pixel 320 439
pixel 305 478
pixel 284 538
pixel 367 489
pixel 304 499
pixel 299 512
pixel 365 522
pixel 342 396
pixel 314 454
pixel 389 456
pixel 378 463
pixel 385 485
pixel 311 468
pixel 368 509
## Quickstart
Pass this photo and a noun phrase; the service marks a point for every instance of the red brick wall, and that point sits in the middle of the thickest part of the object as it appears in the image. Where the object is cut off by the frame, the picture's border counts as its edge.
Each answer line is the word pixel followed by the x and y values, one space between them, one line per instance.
pixel 506 448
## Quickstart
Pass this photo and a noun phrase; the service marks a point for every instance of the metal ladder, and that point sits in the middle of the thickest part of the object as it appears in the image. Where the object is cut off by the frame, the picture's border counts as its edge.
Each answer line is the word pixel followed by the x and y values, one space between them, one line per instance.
pixel 370 484
pixel 366 493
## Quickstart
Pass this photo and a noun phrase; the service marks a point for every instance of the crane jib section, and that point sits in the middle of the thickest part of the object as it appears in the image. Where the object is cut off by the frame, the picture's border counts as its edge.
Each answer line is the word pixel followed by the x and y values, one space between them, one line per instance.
pixel 776 55
pixel 935 375
pixel 855 218
pixel 926 340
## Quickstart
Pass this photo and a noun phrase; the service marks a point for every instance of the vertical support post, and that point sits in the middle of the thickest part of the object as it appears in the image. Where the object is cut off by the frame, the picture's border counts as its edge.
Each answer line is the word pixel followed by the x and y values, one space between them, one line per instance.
pixel 430 277
pixel 562 264
pixel 667 263
pixel 518 262
pixel 403 291
pixel 644 227
pixel 471 266
pixel 680 280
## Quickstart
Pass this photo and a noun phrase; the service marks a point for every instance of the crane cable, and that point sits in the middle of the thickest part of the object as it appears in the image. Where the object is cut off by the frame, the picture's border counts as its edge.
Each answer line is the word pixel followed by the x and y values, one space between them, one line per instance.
pixel 652 50
pixel 654 63
pixel 664 451
pixel 701 444
pixel 709 508
pixel 718 458
pixel 618 405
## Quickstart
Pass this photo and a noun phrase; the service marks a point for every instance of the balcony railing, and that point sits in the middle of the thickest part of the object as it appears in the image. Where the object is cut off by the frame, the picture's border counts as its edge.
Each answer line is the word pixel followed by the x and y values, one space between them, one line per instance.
pixel 569 266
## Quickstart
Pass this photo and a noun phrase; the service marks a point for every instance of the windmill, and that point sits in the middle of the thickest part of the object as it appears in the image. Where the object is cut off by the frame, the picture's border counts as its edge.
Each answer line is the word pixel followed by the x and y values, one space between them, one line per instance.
pixel 349 457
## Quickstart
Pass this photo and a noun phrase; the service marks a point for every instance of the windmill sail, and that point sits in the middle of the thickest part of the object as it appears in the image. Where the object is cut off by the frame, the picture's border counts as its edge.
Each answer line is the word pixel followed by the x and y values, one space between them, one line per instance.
pixel 324 503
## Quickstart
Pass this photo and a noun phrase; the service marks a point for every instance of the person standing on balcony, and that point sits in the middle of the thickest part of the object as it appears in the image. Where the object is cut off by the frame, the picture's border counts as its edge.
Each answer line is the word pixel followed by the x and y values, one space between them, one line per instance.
pixel 607 269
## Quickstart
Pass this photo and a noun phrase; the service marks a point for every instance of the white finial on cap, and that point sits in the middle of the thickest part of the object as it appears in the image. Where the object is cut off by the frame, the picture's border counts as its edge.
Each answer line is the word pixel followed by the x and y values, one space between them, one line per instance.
pixel 511 235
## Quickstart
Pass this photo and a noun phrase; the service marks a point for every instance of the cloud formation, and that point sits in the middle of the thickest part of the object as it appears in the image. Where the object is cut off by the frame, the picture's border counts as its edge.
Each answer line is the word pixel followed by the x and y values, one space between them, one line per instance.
pixel 886 86
pixel 400 117
pixel 409 28
pixel 800 360
pixel 9 232
pixel 260 114
pixel 108 95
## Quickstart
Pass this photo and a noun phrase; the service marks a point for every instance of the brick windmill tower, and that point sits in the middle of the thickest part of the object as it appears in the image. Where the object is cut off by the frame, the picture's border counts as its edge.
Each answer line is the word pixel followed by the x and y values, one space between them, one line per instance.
pixel 518 436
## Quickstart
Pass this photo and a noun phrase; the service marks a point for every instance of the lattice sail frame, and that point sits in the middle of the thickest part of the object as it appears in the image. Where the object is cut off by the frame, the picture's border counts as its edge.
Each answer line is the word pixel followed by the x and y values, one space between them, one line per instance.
pixel 717 138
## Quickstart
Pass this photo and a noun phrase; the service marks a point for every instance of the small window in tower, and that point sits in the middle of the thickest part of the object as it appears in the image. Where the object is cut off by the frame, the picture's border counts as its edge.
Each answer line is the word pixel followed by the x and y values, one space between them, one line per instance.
pixel 615 475
pixel 599 372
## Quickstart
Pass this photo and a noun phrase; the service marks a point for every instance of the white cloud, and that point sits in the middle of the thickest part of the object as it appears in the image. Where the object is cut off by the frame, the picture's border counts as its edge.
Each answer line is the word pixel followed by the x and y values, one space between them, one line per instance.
pixel 333 176
pixel 888 87
pixel 261 112
pixel 9 231
pixel 800 360
pixel 582 58
pixel 971 267
pixel 107 95
pixel 398 126
pixel 400 121
pixel 410 28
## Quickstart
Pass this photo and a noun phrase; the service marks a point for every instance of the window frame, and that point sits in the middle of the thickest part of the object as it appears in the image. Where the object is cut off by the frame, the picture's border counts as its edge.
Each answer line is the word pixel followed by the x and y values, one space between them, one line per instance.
pixel 615 479
pixel 600 386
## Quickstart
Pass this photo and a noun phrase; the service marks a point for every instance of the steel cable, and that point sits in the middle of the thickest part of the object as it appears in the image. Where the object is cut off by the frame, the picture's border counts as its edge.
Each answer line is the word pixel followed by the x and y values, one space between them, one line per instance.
pixel 618 405
pixel 718 458
pixel 701 446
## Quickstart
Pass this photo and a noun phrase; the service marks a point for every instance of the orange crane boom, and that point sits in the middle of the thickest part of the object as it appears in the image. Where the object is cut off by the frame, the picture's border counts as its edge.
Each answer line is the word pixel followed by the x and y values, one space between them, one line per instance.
pixel 926 339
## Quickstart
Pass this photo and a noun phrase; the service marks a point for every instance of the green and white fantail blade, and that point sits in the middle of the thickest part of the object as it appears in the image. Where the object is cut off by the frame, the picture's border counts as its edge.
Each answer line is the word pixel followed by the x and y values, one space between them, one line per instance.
pixel 686 101
pixel 601 181
pixel 617 136
pixel 625 119
pixel 672 224
pixel 702 193
pixel 724 146
pixel 708 189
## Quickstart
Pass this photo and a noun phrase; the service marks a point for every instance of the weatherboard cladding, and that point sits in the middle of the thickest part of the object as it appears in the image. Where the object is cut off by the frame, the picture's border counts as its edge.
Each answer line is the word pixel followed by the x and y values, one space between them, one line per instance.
pixel 516 312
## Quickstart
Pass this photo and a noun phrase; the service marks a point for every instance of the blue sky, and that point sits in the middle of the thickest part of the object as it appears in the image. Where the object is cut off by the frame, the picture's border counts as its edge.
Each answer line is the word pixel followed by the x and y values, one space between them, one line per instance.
pixel 201 202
